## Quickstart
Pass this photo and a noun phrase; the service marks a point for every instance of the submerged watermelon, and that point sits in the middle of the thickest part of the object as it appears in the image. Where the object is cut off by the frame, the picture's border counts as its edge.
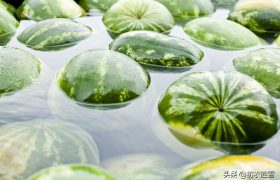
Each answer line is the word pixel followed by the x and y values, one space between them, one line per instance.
pixel 72 172
pixel 261 16
pixel 8 25
pixel 221 34
pixel 224 3
pixel 103 77
pixel 224 167
pixel 30 146
pixel 133 15
pixel 54 34
pixel 18 69
pixel 185 10
pixel 102 5
pixel 48 9
pixel 223 110
pixel 264 66
pixel 157 50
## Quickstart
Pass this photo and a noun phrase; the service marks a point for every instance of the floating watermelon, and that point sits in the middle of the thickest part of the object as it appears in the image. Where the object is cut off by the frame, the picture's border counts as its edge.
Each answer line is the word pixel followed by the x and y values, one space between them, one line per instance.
pixel 54 34
pixel 72 172
pixel 30 146
pixel 133 15
pixel 245 167
pixel 138 166
pixel 221 34
pixel 103 77
pixel 18 69
pixel 224 3
pixel 47 9
pixel 261 16
pixel 185 10
pixel 102 5
pixel 157 51
pixel 224 110
pixel 8 25
pixel 264 66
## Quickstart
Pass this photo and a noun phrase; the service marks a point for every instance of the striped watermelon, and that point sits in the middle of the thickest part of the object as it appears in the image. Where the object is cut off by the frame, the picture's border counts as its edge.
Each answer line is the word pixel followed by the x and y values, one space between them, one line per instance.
pixel 157 51
pixel 103 77
pixel 224 110
pixel 30 146
pixel 261 16
pixel 224 3
pixel 264 66
pixel 221 34
pixel 132 15
pixel 54 34
pixel 183 10
pixel 226 167
pixel 47 9
pixel 72 172
pixel 18 69
pixel 8 25
pixel 102 5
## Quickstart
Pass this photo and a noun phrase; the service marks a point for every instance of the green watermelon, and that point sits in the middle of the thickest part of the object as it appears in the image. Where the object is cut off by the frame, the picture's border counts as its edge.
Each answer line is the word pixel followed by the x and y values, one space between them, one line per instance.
pixel 185 10
pixel 227 166
pixel 54 34
pixel 103 77
pixel 30 146
pixel 138 167
pixel 261 16
pixel 72 172
pixel 133 15
pixel 221 34
pixel 102 5
pixel 157 51
pixel 224 3
pixel 264 66
pixel 224 110
pixel 8 25
pixel 18 69
pixel 47 9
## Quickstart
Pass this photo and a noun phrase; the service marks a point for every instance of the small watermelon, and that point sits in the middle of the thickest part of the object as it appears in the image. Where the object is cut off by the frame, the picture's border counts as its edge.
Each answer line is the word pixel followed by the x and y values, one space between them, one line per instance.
pixel 72 172
pixel 264 66
pixel 221 34
pixel 185 10
pixel 241 167
pixel 18 69
pixel 261 16
pixel 133 15
pixel 106 77
pixel 8 25
pixel 224 3
pixel 47 9
pixel 102 5
pixel 30 146
pixel 225 110
pixel 138 166
pixel 54 34
pixel 157 51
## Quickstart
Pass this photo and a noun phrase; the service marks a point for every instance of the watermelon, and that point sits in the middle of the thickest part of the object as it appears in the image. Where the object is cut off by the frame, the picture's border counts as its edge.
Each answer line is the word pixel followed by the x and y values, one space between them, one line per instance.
pixel 138 166
pixel 224 3
pixel 264 66
pixel 18 69
pixel 185 10
pixel 30 146
pixel 47 9
pixel 244 166
pixel 133 15
pixel 103 77
pixel 261 16
pixel 54 34
pixel 156 50
pixel 8 25
pixel 72 172
pixel 102 5
pixel 221 34
pixel 227 111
